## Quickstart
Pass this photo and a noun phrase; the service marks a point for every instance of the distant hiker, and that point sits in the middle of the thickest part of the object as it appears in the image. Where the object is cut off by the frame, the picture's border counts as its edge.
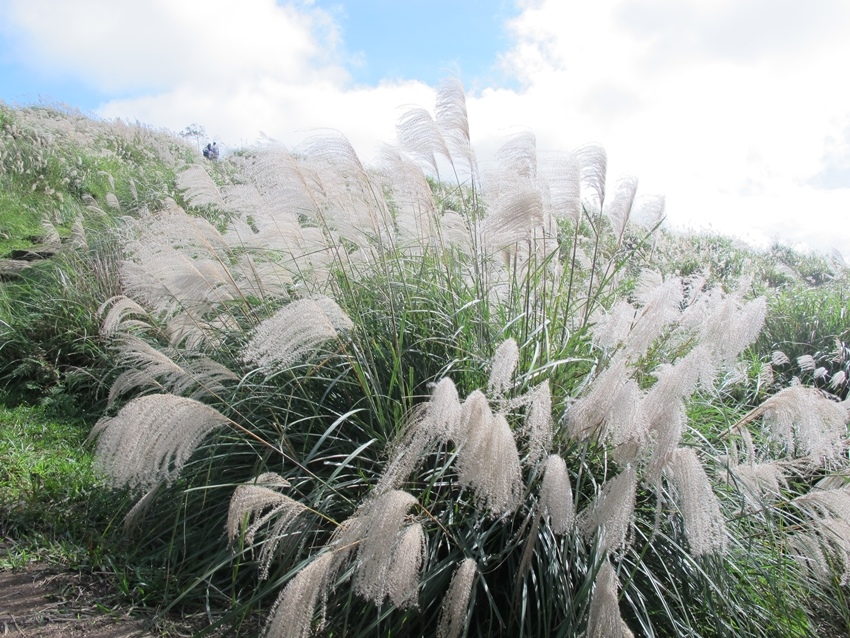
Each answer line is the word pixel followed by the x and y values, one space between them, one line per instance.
pixel 211 151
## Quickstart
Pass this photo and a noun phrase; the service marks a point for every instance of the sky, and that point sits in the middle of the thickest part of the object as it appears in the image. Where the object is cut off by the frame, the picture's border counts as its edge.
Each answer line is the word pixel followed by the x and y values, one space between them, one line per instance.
pixel 737 111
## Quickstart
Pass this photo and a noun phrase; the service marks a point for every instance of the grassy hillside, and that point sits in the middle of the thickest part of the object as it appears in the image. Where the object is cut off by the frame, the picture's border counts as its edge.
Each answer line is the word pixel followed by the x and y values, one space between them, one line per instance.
pixel 424 398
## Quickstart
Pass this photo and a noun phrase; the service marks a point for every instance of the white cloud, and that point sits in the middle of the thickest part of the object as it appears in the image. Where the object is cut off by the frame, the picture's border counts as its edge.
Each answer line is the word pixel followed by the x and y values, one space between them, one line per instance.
pixel 735 109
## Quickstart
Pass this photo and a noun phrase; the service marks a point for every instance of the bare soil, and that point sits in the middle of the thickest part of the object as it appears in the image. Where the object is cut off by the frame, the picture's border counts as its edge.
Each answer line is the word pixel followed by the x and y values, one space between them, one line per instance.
pixel 43 603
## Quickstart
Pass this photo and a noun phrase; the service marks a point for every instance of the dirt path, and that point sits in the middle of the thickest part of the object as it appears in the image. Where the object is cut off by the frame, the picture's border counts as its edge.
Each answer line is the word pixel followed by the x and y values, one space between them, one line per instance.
pixel 44 603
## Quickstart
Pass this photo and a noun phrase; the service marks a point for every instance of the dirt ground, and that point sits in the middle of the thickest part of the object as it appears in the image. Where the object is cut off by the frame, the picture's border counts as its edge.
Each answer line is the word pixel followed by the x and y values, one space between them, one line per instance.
pixel 45 603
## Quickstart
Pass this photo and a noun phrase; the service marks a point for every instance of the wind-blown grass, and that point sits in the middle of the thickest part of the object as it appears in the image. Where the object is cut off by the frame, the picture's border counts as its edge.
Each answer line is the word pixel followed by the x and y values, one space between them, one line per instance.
pixel 404 403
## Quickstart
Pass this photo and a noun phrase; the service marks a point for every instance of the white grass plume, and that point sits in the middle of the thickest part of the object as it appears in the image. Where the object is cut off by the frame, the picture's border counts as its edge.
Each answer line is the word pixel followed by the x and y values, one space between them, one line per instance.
pixel 503 367
pixel 611 512
pixel 488 460
pixel 537 428
pixel 258 503
pixel 456 601
pixel 805 422
pixel 419 135
pixel 438 420
pixel 151 438
pixel 406 572
pixel 380 534
pixel 704 522
pixel 556 495
pixel 117 313
pixel 604 620
pixel 196 376
pixel 199 188
pixel 619 208
pixel 293 331
pixel 294 611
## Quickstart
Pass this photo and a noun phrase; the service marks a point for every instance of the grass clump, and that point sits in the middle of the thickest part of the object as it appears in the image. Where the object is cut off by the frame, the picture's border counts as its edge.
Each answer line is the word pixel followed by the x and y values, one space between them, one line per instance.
pixel 387 402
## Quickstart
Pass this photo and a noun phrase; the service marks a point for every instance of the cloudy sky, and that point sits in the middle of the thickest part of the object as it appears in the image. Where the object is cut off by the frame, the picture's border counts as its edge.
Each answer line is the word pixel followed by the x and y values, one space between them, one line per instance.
pixel 738 111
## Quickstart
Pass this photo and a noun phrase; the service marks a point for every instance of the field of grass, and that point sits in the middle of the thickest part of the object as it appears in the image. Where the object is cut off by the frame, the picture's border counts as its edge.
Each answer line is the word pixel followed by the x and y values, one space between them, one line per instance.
pixel 422 398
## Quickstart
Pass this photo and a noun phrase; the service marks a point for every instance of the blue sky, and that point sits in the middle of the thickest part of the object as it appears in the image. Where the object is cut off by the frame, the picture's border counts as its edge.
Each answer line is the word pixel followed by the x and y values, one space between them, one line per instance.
pixel 735 110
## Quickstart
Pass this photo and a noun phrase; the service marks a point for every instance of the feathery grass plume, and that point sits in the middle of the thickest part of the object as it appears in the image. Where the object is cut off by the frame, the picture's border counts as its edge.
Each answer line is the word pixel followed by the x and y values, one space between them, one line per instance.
pixel 537 427
pixel 667 429
pixel 806 363
pixel 759 482
pixel 628 425
pixel 610 514
pixel 151 438
pixel 594 165
pixel 518 156
pixel 488 460
pixel 380 533
pixel 419 135
pixel 828 511
pixel 199 188
pixel 197 376
pixel 249 501
pixel 611 328
pixel 733 326
pixel 589 416
pixel 116 318
pixel 660 302
pixel 502 367
pixel 416 212
pixel 406 572
pixel 438 420
pixel 563 177
pixel 704 523
pixel 806 422
pixel 293 331
pixel 293 612
pixel 513 217
pixel 456 602
pixel 779 358
pixel 838 380
pixel 556 495
pixel 677 382
pixel 604 620
pixel 619 208
pixel 453 122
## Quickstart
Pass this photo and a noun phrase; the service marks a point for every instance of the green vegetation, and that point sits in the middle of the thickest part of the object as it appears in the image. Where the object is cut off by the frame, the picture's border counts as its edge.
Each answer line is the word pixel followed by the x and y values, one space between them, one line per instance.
pixel 402 403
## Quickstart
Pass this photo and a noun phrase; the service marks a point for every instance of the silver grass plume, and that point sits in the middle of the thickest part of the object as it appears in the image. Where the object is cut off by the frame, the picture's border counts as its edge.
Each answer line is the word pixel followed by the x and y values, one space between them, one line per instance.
pixel 594 166
pixel 488 460
pixel 704 522
pixel 806 363
pixel 537 427
pixel 518 156
pixel 197 376
pixel 151 438
pixel 779 358
pixel 438 420
pixel 453 121
pixel 805 422
pixel 294 330
pixel 610 514
pixel 380 530
pixel 260 502
pixel 829 530
pixel 406 573
pixel 118 316
pixel 199 188
pixel 513 217
pixel 588 416
pixel 604 620
pixel 456 601
pixel 556 495
pixel 619 208
pixel 759 482
pixel 563 178
pixel 293 612
pixel 503 367
pixel 419 135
